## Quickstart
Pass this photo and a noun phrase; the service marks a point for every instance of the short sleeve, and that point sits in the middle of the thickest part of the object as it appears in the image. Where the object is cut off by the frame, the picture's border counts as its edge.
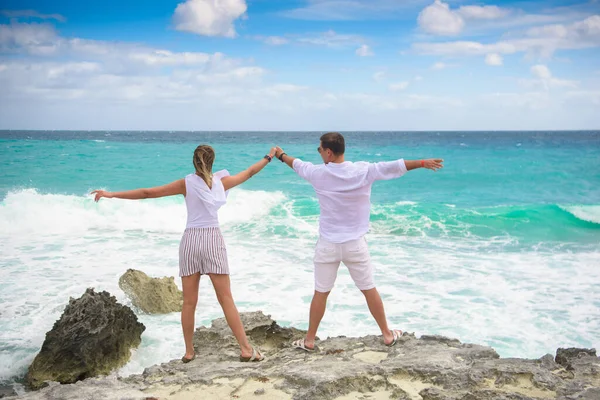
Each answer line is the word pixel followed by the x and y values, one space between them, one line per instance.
pixel 304 169
pixel 386 170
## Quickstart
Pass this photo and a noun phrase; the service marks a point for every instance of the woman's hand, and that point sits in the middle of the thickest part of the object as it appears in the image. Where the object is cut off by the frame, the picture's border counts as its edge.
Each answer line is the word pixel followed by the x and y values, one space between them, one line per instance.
pixel 100 194
pixel 433 164
pixel 273 152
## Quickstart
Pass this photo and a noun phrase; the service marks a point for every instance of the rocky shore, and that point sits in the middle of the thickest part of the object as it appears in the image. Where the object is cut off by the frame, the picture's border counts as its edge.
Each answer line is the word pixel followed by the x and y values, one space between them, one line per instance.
pixel 425 368
pixel 93 337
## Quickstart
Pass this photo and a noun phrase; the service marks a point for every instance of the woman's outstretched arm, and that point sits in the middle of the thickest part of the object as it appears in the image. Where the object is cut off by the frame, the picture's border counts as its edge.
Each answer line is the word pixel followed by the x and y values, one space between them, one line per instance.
pixel 171 189
pixel 239 178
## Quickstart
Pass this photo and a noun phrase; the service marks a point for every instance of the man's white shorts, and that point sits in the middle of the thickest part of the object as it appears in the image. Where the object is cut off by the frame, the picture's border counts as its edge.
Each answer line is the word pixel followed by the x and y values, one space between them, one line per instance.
pixel 355 256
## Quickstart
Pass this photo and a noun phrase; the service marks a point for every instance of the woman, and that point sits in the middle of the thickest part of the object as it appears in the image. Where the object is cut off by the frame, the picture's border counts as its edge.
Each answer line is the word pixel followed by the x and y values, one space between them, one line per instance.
pixel 202 248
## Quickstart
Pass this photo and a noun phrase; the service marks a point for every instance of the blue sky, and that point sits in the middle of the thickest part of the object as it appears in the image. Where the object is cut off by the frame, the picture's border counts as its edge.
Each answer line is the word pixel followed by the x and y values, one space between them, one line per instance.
pixel 300 65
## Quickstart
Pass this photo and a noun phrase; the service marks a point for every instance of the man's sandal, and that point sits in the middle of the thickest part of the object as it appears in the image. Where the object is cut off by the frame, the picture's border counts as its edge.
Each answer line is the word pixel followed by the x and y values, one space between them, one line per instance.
pixel 299 344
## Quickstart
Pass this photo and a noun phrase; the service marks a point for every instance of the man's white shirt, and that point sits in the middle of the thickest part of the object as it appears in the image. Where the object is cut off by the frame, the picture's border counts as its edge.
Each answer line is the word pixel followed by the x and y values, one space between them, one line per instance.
pixel 344 193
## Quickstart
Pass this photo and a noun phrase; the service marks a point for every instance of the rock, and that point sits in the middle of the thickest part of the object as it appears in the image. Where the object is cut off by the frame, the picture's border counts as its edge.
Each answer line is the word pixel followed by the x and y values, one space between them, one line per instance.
pixel 428 368
pixel 151 295
pixel 434 394
pixel 587 394
pixel 565 356
pixel 6 390
pixel 93 336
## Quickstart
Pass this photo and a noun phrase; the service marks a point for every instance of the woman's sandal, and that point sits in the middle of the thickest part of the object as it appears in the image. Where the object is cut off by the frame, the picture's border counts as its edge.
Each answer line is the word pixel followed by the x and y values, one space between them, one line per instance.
pixel 396 334
pixel 255 357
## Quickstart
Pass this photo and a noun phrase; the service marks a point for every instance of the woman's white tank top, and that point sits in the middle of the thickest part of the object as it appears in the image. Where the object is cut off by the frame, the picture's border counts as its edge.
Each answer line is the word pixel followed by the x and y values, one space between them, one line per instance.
pixel 202 202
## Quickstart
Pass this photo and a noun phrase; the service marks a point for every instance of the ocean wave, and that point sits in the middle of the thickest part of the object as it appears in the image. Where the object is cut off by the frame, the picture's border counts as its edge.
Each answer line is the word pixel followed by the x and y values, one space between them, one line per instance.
pixel 27 211
pixel 584 213
pixel 524 223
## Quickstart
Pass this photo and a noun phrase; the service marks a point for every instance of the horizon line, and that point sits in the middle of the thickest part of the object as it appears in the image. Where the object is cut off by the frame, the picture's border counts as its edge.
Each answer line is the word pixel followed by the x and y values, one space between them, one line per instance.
pixel 308 131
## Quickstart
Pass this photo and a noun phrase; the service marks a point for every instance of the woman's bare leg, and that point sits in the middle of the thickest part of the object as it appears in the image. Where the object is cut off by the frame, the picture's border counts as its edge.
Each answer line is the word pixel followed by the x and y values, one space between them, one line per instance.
pixel 188 312
pixel 222 287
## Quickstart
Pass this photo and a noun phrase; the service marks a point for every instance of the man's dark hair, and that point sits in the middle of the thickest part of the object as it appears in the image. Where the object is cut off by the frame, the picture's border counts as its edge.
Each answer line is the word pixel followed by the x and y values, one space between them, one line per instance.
pixel 334 141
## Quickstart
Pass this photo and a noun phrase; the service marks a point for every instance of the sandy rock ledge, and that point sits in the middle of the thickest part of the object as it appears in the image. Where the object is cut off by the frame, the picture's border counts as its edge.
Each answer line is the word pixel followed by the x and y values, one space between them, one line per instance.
pixel 425 368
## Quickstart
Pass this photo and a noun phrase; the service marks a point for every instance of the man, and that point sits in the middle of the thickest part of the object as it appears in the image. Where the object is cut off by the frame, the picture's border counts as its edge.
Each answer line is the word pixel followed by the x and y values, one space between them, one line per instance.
pixel 344 192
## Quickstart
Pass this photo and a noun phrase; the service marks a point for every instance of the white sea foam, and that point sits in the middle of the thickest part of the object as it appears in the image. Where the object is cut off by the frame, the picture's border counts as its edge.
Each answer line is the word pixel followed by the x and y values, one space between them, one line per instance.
pixel 586 213
pixel 55 246
pixel 406 203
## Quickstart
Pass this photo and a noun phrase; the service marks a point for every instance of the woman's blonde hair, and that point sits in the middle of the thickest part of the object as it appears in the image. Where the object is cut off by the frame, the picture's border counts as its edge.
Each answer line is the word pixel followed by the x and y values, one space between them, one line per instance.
pixel 204 156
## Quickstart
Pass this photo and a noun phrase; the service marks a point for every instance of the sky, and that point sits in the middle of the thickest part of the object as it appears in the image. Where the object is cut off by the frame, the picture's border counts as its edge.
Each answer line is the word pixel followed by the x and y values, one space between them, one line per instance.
pixel 299 65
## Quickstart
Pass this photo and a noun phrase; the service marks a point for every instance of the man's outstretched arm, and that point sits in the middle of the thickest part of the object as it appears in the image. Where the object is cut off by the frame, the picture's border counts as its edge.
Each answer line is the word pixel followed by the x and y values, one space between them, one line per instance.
pixel 289 160
pixel 432 163
pixel 385 170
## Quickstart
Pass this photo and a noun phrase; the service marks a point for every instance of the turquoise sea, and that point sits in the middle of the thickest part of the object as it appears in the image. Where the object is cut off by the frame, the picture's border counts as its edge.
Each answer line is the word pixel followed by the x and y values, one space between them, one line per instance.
pixel 501 247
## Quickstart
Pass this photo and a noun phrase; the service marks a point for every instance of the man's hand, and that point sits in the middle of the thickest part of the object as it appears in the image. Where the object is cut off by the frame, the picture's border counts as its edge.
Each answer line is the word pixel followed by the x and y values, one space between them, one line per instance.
pixel 278 151
pixel 433 164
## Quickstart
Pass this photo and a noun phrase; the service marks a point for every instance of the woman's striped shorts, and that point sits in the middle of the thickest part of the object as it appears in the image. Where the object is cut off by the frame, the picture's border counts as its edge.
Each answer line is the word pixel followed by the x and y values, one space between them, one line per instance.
pixel 202 250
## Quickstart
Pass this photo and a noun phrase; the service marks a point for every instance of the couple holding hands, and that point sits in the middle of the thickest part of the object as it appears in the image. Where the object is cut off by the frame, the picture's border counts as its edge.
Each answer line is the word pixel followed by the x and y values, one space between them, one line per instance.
pixel 343 189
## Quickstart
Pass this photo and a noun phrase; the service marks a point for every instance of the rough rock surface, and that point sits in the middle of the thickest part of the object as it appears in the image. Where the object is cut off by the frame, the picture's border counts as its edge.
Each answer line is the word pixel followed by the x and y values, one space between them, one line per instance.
pixel 92 337
pixel 425 368
pixel 151 295
pixel 6 391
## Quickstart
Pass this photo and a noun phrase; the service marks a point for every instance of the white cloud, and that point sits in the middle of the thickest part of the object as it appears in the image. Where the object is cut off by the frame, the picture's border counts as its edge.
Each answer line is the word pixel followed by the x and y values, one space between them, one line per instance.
pixel 379 76
pixel 34 38
pixel 271 40
pixel 418 78
pixel 74 83
pixel 438 19
pixel 364 51
pixel 168 58
pixel 586 96
pixel 209 17
pixel 527 100
pixel 276 40
pixel 493 59
pixel 485 12
pixel 346 10
pixel 545 80
pixel 542 41
pixel 332 39
pixel 127 76
pixel 280 89
pixel 587 31
pixel 441 65
pixel 328 38
pixel 438 66
pixel 83 67
pixel 196 87
pixel 42 40
pixel 398 86
pixel 81 95
pixel 113 71
pixel 32 14
pixel 464 48
pixel 541 72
